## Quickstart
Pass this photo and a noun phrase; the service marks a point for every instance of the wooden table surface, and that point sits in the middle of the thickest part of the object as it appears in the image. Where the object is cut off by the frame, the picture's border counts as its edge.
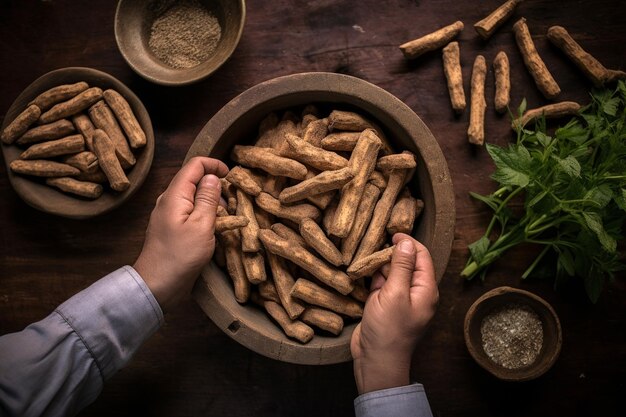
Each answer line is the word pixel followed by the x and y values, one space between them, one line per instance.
pixel 189 367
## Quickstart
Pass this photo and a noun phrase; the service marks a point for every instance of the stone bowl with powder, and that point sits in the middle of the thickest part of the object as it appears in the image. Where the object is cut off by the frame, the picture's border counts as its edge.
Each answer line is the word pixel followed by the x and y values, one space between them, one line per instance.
pixel 178 42
pixel 513 334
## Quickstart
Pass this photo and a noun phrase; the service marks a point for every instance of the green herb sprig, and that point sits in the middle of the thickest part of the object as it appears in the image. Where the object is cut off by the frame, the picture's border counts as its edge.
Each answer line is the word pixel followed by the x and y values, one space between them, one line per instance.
pixel 573 184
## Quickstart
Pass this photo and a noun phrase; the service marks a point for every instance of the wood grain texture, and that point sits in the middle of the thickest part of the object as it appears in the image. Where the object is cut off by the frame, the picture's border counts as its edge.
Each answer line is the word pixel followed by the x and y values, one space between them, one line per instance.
pixel 190 367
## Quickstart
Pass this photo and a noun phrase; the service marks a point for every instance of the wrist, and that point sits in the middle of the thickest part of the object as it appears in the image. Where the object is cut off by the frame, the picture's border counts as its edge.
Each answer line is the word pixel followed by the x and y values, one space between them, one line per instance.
pixel 377 373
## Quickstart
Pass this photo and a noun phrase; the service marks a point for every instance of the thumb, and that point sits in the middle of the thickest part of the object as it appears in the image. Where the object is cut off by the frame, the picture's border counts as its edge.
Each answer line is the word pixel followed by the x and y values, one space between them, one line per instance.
pixel 402 266
pixel 206 199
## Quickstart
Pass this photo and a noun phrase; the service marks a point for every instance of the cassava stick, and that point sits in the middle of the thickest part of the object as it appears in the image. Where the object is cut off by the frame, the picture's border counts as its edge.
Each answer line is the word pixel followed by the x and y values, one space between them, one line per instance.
pixel 378 179
pixel 376 230
pixel 96 176
pixel 362 161
pixel 52 148
pixel 288 233
pixel 249 233
pixel 316 238
pixel 503 82
pixel 242 178
pixel 312 293
pixel 107 159
pixel 323 319
pixel 360 292
pixel 537 68
pixel 103 118
pixel 404 160
pixel 54 130
pixel 126 118
pixel 263 218
pixel 283 282
pixel 83 124
pixel 591 67
pixel 323 182
pixel 489 24
pixel 403 214
pixel 292 328
pixel 363 216
pixel 313 156
pixel 224 223
pixel 432 41
pixel 58 94
pixel 72 106
pixel 454 76
pixel 42 168
pixel 231 241
pixel 476 130
pixel 254 265
pixel 340 141
pixel 347 120
pixel 20 124
pixel 268 291
pixel 73 186
pixel 85 161
pixel 306 260
pixel 294 213
pixel 315 131
pixel 550 111
pixel 366 266
pixel 262 158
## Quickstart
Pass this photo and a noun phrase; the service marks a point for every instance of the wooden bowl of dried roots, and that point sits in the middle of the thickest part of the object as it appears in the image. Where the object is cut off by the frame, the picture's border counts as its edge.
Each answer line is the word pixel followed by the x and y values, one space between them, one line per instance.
pixel 318 137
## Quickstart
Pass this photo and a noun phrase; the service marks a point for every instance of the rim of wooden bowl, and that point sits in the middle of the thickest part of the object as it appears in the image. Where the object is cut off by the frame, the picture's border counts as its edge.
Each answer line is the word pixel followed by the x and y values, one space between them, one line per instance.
pixel 133 20
pixel 236 123
pixel 51 200
pixel 501 296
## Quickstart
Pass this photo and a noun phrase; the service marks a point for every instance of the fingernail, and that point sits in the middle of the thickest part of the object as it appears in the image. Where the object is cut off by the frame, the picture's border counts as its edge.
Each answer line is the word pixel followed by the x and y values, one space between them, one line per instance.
pixel 406 246
pixel 211 180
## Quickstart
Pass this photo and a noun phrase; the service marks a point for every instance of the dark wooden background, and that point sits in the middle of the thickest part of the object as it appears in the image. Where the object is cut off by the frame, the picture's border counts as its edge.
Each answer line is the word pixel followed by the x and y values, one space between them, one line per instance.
pixel 191 368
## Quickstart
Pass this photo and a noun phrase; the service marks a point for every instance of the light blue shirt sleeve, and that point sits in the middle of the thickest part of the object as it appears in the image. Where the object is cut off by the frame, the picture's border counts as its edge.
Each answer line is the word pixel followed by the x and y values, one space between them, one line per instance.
pixel 58 365
pixel 407 401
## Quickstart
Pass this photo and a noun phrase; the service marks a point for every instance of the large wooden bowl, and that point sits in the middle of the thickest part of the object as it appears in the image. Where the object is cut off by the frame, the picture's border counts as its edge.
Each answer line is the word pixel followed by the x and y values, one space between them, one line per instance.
pixel 237 123
pixel 42 197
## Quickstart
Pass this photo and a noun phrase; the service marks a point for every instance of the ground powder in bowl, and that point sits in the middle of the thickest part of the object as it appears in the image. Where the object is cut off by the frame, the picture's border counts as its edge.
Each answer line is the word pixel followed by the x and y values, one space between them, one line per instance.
pixel 184 34
pixel 512 336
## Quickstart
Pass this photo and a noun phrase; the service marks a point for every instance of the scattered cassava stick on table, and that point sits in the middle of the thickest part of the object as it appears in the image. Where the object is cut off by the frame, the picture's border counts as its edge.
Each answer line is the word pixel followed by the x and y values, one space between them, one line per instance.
pixel 43 168
pixel 224 223
pixel 403 214
pixel 432 41
pixel 71 185
pixel 313 156
pixel 404 160
pixel 535 65
pixel 20 124
pixel 231 242
pixel 503 82
pixel 306 260
pixel 83 124
pixel 250 232
pixel 315 237
pixel 125 116
pixel 550 111
pixel 321 183
pixel 268 161
pixel 58 94
pixel 283 282
pixel 323 319
pixel 103 118
pixel 452 69
pixel 50 149
pixel 476 130
pixel 487 26
pixel 72 106
pixel 50 131
pixel 366 266
pixel 107 159
pixel 243 179
pixel 296 213
pixel 312 293
pixel 591 67
pixel 292 328
pixel 254 265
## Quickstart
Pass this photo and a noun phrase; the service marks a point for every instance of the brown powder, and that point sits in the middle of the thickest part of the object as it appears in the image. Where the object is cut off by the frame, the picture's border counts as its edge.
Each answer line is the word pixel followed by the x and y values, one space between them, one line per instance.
pixel 185 34
pixel 512 336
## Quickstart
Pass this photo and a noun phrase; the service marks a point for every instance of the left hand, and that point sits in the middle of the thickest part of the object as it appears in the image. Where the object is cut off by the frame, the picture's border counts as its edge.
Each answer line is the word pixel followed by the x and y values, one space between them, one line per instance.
pixel 180 238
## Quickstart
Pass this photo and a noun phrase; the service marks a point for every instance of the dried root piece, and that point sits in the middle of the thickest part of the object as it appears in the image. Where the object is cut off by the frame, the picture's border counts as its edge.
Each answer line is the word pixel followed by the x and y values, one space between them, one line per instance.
pixel 363 216
pixel 403 214
pixel 268 291
pixel 591 67
pixel 20 124
pixel 295 213
pixel 254 265
pixel 503 82
pixel 340 141
pixel 323 319
pixel 97 176
pixel 432 41
pixel 243 178
pixel 378 179
pixel 306 260
pixel 321 183
pixel 83 124
pixel 42 168
pixel 224 223
pixel 489 24
pixel 283 282
pixel 50 149
pixel 315 131
pixel 250 232
pixel 54 130
pixel 292 328
pixel 316 238
pixel 85 161
pixel 313 156
pixel 550 111
pixel 126 117
pixel 263 218
pixel 454 76
pixel 476 130
pixel 347 120
pixel 58 94
pixel 288 233
pixel 312 293
pixel 360 292
pixel 366 266
pixel 231 241
pixel 74 186
pixel 536 67
pixel 103 118
pixel 268 161
pixel 107 159
pixel 322 201
pixel 72 106
pixel 404 160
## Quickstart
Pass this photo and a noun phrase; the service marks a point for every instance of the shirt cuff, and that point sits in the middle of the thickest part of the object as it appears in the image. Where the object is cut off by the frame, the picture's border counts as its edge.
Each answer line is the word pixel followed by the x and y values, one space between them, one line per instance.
pixel 113 317
pixel 409 400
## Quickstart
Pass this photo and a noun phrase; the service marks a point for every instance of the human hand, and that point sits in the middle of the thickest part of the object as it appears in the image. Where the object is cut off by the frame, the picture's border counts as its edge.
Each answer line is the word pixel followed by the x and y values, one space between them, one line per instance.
pixel 180 238
pixel 402 302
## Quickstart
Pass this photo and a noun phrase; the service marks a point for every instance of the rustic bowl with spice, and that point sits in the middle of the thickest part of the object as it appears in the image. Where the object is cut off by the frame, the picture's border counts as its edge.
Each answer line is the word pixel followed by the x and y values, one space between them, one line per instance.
pixel 237 124
pixel 513 334
pixel 178 42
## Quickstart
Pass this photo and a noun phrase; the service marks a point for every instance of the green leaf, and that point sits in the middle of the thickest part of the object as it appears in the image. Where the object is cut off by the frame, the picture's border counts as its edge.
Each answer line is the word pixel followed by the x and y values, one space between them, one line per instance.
pixel 620 199
pixel 512 164
pixel 567 262
pixel 594 223
pixel 543 139
pixel 522 107
pixel 610 106
pixel 479 248
pixel 488 200
pixel 601 195
pixel 569 165
pixel 593 286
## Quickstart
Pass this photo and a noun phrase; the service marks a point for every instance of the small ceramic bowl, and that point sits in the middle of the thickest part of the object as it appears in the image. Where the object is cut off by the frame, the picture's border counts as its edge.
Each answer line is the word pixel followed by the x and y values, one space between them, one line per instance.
pixel 238 122
pixel 50 200
pixel 505 296
pixel 133 23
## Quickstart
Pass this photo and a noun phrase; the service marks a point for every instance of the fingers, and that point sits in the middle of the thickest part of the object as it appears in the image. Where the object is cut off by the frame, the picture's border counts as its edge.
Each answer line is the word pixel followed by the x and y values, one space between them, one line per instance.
pixel 206 200
pixel 424 268
pixel 402 266
pixel 377 281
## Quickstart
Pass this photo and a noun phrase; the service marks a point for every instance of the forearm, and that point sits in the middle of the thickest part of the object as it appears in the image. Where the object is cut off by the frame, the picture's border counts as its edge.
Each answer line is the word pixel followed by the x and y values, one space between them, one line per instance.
pixel 57 366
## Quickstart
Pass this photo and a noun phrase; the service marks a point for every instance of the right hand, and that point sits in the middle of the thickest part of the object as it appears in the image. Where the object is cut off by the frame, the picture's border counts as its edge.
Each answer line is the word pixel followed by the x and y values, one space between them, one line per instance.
pixel 402 302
